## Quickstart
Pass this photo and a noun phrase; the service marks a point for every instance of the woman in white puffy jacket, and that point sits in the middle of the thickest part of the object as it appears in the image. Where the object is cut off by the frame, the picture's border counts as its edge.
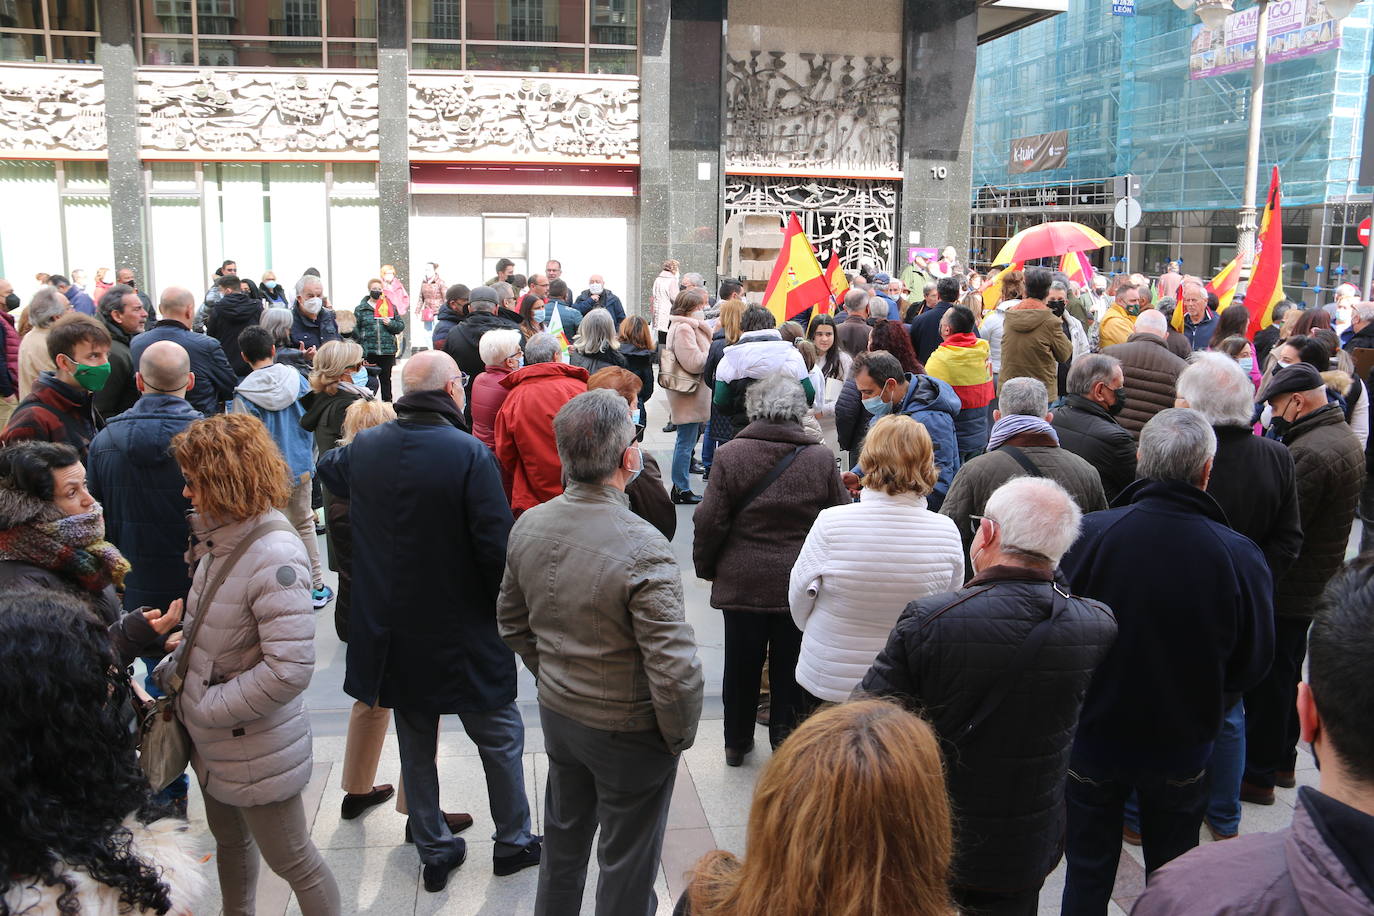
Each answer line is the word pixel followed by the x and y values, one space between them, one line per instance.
pixel 863 563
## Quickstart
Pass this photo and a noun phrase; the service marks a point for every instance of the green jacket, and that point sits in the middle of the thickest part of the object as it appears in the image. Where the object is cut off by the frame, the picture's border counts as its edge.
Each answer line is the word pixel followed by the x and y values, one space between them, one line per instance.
pixel 376 336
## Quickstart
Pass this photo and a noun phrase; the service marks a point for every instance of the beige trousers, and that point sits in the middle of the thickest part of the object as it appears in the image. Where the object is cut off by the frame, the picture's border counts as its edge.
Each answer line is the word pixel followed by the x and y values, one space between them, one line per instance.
pixel 302 517
pixel 367 727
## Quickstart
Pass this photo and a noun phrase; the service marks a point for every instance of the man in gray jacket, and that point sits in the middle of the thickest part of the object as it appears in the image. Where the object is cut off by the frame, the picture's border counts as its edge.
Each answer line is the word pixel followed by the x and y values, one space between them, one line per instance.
pixel 592 601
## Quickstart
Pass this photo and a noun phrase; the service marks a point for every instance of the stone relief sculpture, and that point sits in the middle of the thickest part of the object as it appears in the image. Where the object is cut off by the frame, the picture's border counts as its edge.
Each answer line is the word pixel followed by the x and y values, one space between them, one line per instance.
pixel 52 111
pixel 222 112
pixel 807 111
pixel 854 217
pixel 520 117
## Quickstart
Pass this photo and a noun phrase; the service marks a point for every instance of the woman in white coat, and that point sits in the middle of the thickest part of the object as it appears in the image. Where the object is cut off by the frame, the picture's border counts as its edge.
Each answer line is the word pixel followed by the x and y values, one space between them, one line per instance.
pixel 661 298
pixel 863 563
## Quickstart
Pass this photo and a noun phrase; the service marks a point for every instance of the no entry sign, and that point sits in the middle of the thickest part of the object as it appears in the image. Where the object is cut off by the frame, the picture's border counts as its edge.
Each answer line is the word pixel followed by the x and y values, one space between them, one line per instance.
pixel 1364 232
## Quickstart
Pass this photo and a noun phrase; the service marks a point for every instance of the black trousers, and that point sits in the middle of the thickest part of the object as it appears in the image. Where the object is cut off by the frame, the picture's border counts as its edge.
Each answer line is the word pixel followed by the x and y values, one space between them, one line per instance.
pixel 990 903
pixel 1271 707
pixel 385 364
pixel 748 638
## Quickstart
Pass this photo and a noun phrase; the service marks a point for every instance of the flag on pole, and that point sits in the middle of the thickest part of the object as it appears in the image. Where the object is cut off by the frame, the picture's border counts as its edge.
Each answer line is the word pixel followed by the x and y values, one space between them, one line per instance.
pixel 1078 268
pixel 1266 276
pixel 992 290
pixel 797 283
pixel 1223 285
pixel 555 327
pixel 834 278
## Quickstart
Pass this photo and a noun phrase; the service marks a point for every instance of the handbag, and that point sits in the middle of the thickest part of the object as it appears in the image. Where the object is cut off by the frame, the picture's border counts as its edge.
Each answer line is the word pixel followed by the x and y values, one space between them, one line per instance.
pixel 164 746
pixel 672 376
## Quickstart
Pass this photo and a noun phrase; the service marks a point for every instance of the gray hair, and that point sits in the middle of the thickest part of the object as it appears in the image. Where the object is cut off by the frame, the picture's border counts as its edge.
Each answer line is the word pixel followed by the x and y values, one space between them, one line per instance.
pixel 855 299
pixel 1196 284
pixel 592 431
pixel 1175 445
pixel 504 291
pixel 695 279
pixel 1152 321
pixel 1365 311
pixel 496 345
pixel 929 288
pixel 114 298
pixel 1024 396
pixel 1217 387
pixel 277 322
pixel 596 332
pixel 541 348
pixel 1036 516
pixel 1087 371
pixel 46 306
pixel 306 278
pixel 777 398
pixel 1061 286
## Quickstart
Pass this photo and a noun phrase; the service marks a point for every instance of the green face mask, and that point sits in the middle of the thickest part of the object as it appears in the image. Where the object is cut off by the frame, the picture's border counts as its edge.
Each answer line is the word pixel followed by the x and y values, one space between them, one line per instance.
pixel 92 378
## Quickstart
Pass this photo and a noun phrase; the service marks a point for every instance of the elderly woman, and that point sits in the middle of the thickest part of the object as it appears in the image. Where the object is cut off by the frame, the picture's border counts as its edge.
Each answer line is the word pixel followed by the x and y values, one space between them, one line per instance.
pixel 844 598
pixel 596 346
pixel 250 631
pixel 277 322
pixel 501 353
pixel 46 306
pixel 768 484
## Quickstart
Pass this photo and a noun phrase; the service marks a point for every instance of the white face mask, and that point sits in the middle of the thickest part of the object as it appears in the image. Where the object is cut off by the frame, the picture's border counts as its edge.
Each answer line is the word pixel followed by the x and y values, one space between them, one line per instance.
pixel 312 305
pixel 595 289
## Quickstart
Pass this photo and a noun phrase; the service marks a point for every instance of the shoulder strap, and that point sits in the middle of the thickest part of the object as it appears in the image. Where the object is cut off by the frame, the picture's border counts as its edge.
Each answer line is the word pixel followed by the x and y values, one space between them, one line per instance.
pixel 1021 458
pixel 1025 653
pixel 207 597
pixel 783 464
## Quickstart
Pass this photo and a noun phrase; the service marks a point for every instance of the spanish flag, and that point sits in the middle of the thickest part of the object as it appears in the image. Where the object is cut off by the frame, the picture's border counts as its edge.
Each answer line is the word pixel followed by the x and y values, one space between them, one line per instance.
pixel 1266 276
pixel 1223 285
pixel 797 283
pixel 834 278
pixel 555 327
pixel 963 361
pixel 1078 268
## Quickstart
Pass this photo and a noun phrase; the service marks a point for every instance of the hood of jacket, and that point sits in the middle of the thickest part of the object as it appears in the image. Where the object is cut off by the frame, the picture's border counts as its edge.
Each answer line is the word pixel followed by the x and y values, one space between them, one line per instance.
pixel 20 508
pixel 478 323
pixel 927 393
pixel 273 387
pixel 629 349
pixel 446 313
pixel 1029 320
pixel 1175 493
pixel 755 355
pixel 238 306
pixel 119 334
pixel 318 404
pixel 541 371
pixel 142 433
pixel 1338 381
pixel 1029 305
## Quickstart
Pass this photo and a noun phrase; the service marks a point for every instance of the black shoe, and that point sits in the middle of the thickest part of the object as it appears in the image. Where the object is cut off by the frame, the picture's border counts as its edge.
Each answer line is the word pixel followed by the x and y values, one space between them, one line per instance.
pixel 354 805
pixel 436 876
pixel 525 858
pixel 457 823
pixel 670 427
pixel 697 468
pixel 735 756
pixel 706 474
pixel 685 497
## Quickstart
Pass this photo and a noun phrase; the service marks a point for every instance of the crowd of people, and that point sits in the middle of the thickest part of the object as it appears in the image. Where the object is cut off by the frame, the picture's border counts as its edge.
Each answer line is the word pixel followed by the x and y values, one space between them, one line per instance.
pixel 1008 582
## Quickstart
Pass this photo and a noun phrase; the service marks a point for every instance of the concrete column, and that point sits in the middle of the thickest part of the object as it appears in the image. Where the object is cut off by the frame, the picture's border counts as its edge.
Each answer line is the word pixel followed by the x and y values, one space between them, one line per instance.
pixel 393 170
pixel 940 46
pixel 119 66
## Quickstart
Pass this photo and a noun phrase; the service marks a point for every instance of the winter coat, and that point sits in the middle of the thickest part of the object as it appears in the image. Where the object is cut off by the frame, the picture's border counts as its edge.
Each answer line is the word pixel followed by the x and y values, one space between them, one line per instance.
pixel 377 336
pixel 934 405
pixel 1199 335
pixel 1117 327
pixel 595 362
pixel 422 629
pixel 747 552
pixel 1151 373
pixel 1308 867
pixel 1330 475
pixel 1006 782
pixel 445 320
pixel 1254 481
pixel 55 412
pixel 397 300
pixel 80 301
pixel 432 291
pixel 324 414
pixel 756 355
pixel 845 599
pixel 1090 432
pixel 643 363
pixel 33 359
pixel 925 330
pixel 690 340
pixel 1362 339
pixel 251 661
pixel 215 380
pixel 649 498
pixel 227 320
pixel 852 335
pixel 273 395
pixel 9 378
pixel 133 475
pixel 340 535
pixel 168 844
pixel 307 332
pixel 487 397
pixel 1194 631
pixel 1033 344
pixel 608 301
pixel 119 392
pixel 661 297
pixel 963 362
pixel 592 601
pixel 530 469
pixel 992 328
pixel 980 477
pixel 851 419
pixel 463 340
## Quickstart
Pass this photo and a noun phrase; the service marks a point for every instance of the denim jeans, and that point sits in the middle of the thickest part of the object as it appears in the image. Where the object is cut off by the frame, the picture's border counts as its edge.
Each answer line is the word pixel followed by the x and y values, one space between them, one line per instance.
pixel 1223 770
pixel 708 447
pixel 1171 806
pixel 682 454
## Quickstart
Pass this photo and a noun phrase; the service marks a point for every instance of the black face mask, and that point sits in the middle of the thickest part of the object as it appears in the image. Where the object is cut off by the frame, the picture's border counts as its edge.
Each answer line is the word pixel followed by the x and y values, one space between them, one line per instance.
pixel 1057 306
pixel 1118 401
pixel 375 293
pixel 11 302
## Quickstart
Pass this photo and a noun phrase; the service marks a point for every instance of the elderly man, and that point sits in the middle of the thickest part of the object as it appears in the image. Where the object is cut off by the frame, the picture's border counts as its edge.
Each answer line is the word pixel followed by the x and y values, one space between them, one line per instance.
pixel 925 330
pixel 1033 339
pixel 604 632
pixel 525 443
pixel 122 313
pixel 854 331
pixel 897 293
pixel 1005 714
pixel 1150 371
pixel 1193 629
pixel 596 295
pixel 1085 420
pixel 1360 334
pixel 215 381
pixel 1119 322
pixel 127 276
pixel 312 325
pixel 1022 443
pixel 553 269
pixel 423 634
pixel 1198 320
pixel 917 274
pixel 1330 468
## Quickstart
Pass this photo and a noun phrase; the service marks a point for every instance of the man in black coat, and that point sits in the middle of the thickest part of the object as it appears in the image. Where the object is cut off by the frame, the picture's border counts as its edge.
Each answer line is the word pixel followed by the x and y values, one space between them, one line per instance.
pixel 925 330
pixel 464 338
pixel 1360 334
pixel 215 381
pixel 423 639
pixel 1195 627
pixel 451 314
pixel 312 325
pixel 122 313
pixel 958 659
pixel 228 318
pixel 1085 419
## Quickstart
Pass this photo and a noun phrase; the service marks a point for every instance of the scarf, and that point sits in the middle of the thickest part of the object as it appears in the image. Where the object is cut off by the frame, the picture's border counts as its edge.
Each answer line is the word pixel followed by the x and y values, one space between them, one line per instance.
pixel 436 401
pixel 1015 424
pixel 73 545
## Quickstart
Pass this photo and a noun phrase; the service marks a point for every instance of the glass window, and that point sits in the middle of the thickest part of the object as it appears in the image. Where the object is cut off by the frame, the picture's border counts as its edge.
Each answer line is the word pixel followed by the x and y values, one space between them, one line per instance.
pixel 536 21
pixel 260 33
pixel 428 56
pixel 173 176
pixel 75 49
pixel 19 46
pixel 615 22
pixel 618 61
pixel 22 14
pixel 172 17
pixel 73 15
pixel 353 20
pixel 253 52
pixel 440 19
pixel 167 52
pixel 352 55
pixel 534 58
pixel 63 31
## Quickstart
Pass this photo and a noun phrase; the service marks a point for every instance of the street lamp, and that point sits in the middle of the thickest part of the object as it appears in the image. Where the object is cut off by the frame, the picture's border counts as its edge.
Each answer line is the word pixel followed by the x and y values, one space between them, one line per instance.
pixel 1213 14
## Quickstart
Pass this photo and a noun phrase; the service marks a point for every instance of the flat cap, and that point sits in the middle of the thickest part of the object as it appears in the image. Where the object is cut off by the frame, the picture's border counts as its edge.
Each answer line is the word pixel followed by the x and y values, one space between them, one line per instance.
pixel 1288 379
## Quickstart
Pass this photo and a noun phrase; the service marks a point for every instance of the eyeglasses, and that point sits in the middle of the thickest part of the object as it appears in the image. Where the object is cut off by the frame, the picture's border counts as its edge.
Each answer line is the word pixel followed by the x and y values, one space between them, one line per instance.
pixel 462 377
pixel 978 520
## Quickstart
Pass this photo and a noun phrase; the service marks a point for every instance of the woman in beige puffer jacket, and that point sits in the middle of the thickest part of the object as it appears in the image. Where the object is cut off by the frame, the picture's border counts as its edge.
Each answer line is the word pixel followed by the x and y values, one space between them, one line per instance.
pixel 251 659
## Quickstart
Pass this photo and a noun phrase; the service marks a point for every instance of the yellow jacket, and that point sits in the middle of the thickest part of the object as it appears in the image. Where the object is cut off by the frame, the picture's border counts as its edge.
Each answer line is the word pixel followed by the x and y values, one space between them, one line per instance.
pixel 1116 326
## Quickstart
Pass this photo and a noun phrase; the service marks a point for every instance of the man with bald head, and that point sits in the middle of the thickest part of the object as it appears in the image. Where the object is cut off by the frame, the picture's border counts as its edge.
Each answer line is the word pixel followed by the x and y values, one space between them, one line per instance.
pixel 1150 369
pixel 423 639
pixel 596 296
pixel 208 362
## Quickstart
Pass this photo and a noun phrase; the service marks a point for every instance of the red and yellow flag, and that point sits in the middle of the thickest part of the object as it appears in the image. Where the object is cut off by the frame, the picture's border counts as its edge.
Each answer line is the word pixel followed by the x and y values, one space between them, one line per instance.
pixel 797 283
pixel 992 290
pixel 1266 276
pixel 834 278
pixel 1223 285
pixel 1078 267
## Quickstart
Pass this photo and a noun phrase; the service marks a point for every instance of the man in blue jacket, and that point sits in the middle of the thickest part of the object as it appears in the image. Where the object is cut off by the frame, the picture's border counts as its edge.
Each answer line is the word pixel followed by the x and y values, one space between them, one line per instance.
pixel 1194 633
pixel 215 380
pixel 596 295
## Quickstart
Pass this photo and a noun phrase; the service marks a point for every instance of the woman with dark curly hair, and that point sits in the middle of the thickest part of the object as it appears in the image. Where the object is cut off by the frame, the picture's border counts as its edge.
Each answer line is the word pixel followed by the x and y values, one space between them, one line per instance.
pixel 79 835
pixel 890 336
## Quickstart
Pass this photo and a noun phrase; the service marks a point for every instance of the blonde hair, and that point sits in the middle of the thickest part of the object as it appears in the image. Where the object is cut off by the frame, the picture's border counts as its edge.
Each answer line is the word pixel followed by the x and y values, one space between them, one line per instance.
pixel 334 363
pixel 347 321
pixel 898 457
pixel 850 818
pixel 731 311
pixel 233 465
pixel 365 413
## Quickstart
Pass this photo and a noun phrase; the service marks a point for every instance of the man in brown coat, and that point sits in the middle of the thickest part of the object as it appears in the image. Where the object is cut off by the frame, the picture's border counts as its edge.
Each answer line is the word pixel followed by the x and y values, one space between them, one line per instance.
pixel 1151 371
pixel 1033 338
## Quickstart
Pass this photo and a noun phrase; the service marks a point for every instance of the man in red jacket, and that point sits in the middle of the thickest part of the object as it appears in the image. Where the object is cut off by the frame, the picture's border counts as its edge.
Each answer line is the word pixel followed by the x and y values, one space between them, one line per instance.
pixel 525 445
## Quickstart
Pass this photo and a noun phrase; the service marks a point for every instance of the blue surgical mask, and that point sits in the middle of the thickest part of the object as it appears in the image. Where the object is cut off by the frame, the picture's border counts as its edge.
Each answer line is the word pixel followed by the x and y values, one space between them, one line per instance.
pixel 360 377
pixel 877 406
pixel 270 284
pixel 639 470
pixel 1247 363
pixel 538 316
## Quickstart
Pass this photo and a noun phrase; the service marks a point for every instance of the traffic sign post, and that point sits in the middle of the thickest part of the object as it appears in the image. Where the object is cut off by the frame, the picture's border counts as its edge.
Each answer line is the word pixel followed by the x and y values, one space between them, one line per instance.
pixel 1127 211
pixel 1364 232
